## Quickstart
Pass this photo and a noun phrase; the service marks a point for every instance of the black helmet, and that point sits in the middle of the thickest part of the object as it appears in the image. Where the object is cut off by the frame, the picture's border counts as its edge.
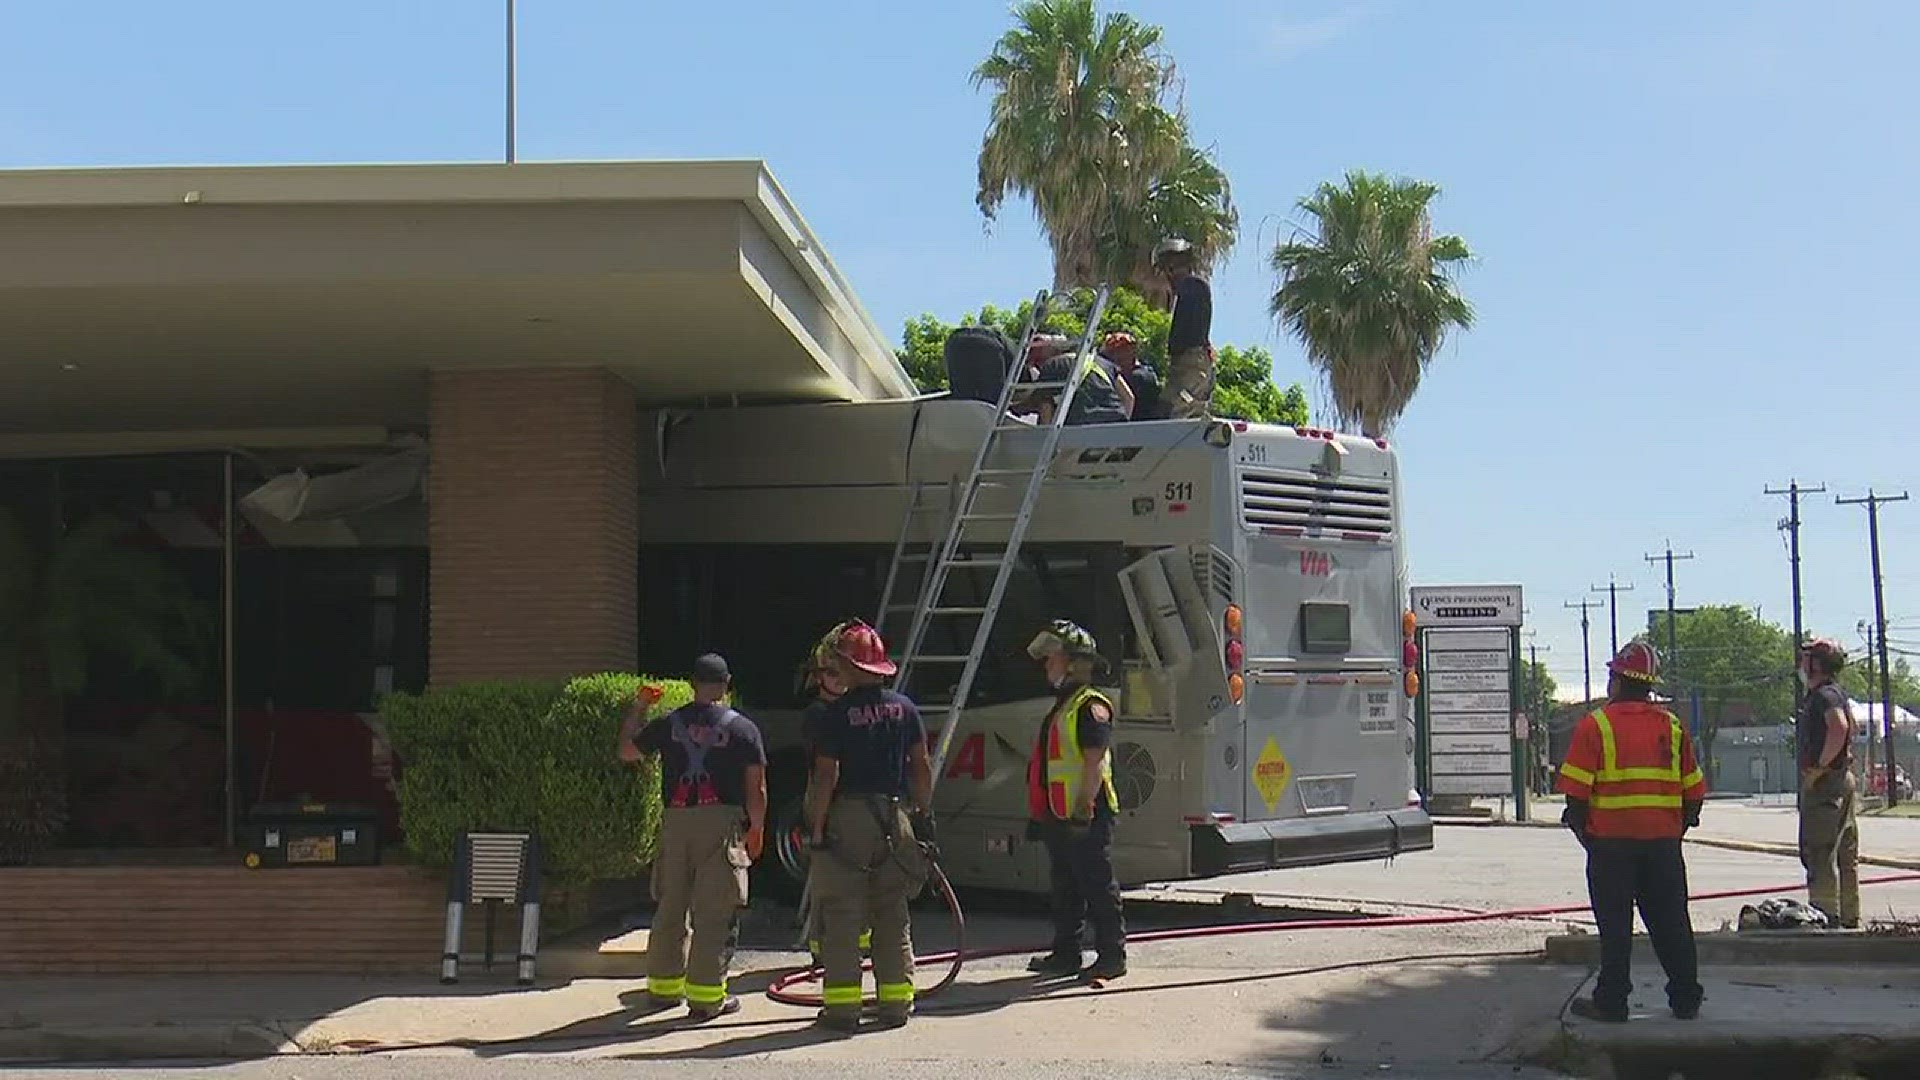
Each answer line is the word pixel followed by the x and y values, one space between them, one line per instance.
pixel 1168 250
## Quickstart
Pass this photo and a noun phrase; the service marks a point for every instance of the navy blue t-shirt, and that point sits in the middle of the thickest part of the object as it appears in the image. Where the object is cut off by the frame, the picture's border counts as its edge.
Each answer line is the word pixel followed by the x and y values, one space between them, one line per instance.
pixel 731 744
pixel 869 731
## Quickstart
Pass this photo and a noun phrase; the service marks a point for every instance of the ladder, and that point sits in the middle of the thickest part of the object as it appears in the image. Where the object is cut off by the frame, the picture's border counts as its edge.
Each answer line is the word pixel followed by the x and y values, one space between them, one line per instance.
pixel 936 605
pixel 908 549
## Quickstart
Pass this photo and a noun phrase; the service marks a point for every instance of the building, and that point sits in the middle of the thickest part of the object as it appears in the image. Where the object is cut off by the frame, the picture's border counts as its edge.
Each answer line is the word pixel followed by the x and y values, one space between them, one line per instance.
pixel 387 421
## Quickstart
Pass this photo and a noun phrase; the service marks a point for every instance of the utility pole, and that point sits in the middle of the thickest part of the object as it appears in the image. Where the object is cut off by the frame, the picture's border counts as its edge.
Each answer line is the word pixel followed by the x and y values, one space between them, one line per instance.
pixel 1586 649
pixel 1791 523
pixel 1540 707
pixel 512 90
pixel 1613 591
pixel 1673 629
pixel 1872 502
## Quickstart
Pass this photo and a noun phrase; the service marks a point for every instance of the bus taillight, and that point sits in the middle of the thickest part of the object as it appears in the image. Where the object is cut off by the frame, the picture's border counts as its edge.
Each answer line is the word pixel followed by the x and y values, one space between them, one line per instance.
pixel 1413 683
pixel 1236 653
pixel 1410 653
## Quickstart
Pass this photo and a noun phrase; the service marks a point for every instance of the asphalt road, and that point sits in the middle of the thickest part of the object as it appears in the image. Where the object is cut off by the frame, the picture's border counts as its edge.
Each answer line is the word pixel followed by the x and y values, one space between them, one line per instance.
pixel 443 1067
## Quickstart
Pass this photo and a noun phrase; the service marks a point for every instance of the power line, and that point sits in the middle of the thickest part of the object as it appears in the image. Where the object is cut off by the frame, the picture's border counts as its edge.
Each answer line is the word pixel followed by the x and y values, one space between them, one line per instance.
pixel 1673 633
pixel 1791 525
pixel 1873 501
pixel 1613 590
pixel 1586 647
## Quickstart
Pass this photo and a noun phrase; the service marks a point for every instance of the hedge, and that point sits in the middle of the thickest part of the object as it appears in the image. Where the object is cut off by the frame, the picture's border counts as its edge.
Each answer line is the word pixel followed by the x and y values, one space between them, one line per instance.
pixel 533 755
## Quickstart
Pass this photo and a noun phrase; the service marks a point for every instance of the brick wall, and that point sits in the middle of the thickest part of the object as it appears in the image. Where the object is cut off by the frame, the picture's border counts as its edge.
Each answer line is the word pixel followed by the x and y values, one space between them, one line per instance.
pixel 533 518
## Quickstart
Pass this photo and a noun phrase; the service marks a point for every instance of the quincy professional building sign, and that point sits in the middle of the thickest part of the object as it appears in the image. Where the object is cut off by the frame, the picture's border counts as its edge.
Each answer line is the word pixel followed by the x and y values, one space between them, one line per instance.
pixel 1468 643
pixel 1466 605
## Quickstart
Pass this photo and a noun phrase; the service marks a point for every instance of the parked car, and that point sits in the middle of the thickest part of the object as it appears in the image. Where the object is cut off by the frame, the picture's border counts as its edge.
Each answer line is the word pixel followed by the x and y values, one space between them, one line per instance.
pixel 1902 783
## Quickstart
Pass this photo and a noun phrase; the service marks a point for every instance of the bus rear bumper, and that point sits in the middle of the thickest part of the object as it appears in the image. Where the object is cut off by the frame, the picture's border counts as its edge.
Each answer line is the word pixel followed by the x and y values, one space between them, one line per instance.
pixel 1290 842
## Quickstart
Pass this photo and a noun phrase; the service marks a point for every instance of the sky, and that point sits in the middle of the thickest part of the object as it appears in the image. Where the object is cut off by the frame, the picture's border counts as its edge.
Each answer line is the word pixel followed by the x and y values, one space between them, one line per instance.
pixel 1694 224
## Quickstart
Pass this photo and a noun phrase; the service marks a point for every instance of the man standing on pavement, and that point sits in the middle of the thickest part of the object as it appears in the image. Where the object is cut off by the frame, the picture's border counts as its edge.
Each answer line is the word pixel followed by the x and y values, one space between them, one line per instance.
pixel 1829 797
pixel 869 758
pixel 713 783
pixel 823 676
pixel 1633 789
pixel 1071 801
pixel 1189 390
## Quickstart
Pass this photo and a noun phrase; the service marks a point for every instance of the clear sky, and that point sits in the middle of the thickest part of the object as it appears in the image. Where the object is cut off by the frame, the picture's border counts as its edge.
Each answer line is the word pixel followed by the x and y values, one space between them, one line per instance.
pixel 1695 223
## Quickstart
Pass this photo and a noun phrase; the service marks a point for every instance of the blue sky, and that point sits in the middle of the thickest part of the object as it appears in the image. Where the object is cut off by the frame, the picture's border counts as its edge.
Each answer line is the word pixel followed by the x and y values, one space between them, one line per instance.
pixel 1695 222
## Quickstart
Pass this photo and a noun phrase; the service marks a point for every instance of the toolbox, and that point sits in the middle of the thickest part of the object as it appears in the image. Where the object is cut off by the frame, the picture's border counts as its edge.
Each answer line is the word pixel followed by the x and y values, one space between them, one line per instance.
pixel 312 834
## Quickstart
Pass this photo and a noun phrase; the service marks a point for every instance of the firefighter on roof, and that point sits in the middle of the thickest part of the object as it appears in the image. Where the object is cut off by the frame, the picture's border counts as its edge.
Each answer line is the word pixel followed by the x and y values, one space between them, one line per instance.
pixel 1633 789
pixel 1071 801
pixel 870 768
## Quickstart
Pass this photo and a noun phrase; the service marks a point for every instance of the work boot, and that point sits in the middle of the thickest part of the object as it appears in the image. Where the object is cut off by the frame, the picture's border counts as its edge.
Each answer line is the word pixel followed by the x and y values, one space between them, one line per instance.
pixel 1589 1009
pixel 1687 1011
pixel 1104 967
pixel 727 1007
pixel 841 1020
pixel 894 1016
pixel 1057 962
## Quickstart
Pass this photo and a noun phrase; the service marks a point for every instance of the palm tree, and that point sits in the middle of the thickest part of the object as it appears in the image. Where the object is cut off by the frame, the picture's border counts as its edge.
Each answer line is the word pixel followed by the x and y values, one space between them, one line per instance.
pixel 1371 293
pixel 82 594
pixel 1077 124
pixel 1193 200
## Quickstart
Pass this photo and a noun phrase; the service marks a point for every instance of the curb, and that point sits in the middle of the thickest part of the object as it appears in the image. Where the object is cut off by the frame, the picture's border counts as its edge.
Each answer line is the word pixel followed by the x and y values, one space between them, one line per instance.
pixel 1848 949
pixel 1791 852
pixel 225 1040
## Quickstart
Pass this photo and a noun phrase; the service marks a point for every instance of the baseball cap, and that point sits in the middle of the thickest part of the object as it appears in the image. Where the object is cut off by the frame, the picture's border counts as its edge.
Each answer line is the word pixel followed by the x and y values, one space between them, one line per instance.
pixel 711 670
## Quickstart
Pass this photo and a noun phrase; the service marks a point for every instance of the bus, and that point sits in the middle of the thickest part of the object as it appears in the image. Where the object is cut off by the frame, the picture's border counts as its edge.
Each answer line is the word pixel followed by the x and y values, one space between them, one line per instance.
pixel 1245 583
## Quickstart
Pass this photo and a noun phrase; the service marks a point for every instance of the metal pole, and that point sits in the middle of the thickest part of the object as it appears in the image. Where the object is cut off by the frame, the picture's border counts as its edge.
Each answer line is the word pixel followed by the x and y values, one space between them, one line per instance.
pixel 1872 503
pixel 226 647
pixel 1586 649
pixel 1673 629
pixel 512 89
pixel 1517 757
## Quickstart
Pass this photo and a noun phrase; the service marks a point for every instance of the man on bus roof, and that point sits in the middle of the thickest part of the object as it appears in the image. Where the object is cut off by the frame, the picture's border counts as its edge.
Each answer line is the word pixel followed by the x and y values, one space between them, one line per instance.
pixel 1072 805
pixel 1189 390
pixel 1633 789
pixel 1122 350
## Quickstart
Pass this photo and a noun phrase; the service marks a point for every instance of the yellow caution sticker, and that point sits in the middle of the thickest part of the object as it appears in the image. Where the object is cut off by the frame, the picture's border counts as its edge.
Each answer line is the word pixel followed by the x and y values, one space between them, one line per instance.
pixel 1271 774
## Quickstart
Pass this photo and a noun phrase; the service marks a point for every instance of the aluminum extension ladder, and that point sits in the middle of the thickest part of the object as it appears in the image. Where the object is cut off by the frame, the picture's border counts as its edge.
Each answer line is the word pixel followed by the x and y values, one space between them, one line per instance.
pixel 991 470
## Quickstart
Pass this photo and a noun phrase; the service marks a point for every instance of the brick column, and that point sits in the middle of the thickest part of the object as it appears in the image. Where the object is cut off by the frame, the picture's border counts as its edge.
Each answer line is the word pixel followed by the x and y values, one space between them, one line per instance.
pixel 533 519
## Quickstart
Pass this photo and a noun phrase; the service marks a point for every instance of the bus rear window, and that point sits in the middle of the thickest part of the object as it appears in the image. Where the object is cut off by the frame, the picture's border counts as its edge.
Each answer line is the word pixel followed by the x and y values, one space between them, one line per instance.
pixel 1326 626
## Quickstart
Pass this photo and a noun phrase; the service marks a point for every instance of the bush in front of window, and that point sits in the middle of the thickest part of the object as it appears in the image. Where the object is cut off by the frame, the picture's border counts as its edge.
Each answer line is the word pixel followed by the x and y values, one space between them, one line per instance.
pixel 530 755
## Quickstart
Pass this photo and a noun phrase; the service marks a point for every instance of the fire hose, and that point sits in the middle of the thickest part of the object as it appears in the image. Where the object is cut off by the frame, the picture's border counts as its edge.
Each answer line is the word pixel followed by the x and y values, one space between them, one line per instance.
pixel 781 989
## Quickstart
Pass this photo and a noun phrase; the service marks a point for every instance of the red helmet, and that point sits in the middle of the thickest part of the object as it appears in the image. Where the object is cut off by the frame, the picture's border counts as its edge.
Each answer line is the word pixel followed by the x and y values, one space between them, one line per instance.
pixel 860 645
pixel 1827 653
pixel 1636 660
pixel 1119 341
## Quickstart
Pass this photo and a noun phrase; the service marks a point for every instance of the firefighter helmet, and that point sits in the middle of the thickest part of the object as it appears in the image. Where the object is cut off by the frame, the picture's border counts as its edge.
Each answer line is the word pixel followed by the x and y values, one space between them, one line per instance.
pixel 1636 660
pixel 1063 636
pixel 1171 249
pixel 860 645
pixel 1827 653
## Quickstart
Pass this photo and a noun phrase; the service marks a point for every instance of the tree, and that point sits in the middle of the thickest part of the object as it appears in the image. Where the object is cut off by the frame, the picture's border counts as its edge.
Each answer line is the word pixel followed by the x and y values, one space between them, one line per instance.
pixel 1537 689
pixel 1861 680
pixel 1244 387
pixel 1080 125
pixel 1726 654
pixel 1370 293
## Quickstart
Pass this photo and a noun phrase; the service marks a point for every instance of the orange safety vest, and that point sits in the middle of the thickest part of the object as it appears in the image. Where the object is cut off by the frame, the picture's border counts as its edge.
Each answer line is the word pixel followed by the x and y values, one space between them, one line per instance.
pixel 1053 778
pixel 1633 763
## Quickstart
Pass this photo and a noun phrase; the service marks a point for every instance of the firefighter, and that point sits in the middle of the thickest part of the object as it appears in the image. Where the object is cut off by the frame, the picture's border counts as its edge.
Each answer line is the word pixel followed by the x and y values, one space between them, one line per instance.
pixel 713 783
pixel 823 678
pixel 1633 789
pixel 1071 801
pixel 1189 390
pixel 869 807
pixel 1829 830
pixel 1122 350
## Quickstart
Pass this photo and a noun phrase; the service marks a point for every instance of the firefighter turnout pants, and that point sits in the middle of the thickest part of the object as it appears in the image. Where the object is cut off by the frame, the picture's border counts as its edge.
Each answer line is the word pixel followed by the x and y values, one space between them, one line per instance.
pixel 1084 891
pixel 865 881
pixel 699 880
pixel 1650 875
pixel 1189 391
pixel 1830 845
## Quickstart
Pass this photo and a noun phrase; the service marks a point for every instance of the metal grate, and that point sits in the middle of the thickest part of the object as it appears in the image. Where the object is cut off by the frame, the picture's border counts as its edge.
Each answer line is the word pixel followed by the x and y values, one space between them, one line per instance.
pixel 498 861
pixel 1317 506
pixel 1135 775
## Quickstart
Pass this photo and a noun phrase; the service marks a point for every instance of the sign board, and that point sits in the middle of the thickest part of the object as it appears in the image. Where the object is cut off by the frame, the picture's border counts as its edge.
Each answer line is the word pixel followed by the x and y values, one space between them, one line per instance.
pixel 1470 715
pixel 1466 605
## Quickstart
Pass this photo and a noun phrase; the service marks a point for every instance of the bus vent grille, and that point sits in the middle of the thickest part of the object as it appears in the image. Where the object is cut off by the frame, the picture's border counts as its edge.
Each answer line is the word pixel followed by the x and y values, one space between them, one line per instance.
pixel 1135 774
pixel 1349 507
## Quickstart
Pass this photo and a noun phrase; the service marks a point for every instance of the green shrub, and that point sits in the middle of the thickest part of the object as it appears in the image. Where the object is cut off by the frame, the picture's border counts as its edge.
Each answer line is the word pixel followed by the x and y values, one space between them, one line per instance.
pixel 533 755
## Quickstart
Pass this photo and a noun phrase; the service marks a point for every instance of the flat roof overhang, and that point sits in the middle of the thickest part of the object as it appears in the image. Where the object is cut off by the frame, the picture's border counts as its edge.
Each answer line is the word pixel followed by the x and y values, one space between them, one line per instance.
pixel 175 299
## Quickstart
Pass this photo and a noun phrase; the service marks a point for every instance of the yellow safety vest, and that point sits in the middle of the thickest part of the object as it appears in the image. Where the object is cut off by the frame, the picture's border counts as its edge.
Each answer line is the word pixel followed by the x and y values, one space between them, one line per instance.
pixel 1064 762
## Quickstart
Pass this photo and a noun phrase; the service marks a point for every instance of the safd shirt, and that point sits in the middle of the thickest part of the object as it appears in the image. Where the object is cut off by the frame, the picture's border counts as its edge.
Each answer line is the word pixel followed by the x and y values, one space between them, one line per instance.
pixel 728 742
pixel 869 731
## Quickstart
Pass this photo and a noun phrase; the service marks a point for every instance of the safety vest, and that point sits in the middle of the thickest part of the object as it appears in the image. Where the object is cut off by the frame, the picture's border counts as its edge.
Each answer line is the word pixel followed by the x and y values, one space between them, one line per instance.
pixel 1635 769
pixel 1054 778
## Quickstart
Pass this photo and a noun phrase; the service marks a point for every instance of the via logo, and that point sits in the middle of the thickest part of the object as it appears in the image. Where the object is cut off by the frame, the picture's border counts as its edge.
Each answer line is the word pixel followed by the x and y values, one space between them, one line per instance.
pixel 1316 564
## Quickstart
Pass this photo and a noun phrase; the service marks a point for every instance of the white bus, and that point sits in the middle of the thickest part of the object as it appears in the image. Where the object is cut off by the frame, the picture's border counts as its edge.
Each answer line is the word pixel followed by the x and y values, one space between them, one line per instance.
pixel 1245 581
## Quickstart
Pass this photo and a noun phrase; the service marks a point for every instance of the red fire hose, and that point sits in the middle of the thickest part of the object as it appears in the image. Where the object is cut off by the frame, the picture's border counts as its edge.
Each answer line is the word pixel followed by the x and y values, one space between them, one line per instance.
pixel 780 990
